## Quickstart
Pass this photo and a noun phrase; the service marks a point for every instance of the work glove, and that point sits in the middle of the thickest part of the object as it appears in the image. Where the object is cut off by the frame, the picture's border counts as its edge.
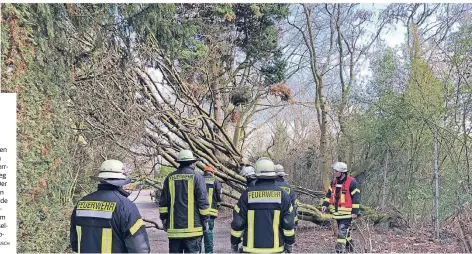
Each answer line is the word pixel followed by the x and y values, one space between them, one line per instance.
pixel 288 248
pixel 235 247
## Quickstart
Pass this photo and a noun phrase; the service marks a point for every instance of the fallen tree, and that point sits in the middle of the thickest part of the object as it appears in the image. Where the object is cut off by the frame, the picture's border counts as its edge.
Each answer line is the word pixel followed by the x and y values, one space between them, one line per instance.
pixel 168 113
pixel 309 212
pixel 171 125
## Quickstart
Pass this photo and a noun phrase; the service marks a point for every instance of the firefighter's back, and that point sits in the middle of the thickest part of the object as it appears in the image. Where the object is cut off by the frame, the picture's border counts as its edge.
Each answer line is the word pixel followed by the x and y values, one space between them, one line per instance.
pixel 265 210
pixel 184 217
pixel 213 188
pixel 264 216
pixel 104 219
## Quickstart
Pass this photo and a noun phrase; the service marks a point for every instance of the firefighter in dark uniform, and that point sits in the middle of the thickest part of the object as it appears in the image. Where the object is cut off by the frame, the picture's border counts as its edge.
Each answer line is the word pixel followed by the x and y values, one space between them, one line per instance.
pixel 280 181
pixel 264 216
pixel 342 198
pixel 106 221
pixel 183 206
pixel 250 175
pixel 214 190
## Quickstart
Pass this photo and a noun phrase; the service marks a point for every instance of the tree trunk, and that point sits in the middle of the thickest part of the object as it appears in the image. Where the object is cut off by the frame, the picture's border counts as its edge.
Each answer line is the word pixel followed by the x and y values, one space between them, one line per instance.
pixel 466 136
pixel 321 104
pixel 218 112
pixel 323 141
pixel 344 91
pixel 436 178
pixel 384 184
pixel 237 128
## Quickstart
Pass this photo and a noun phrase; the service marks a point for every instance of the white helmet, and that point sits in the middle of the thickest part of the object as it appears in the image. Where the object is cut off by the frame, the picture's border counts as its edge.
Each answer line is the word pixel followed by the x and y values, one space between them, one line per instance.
pixel 247 171
pixel 186 155
pixel 111 169
pixel 339 166
pixel 279 170
pixel 265 168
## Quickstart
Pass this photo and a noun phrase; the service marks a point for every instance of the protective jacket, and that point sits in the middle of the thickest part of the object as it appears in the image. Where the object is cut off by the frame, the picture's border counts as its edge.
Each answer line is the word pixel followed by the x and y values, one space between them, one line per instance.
pixel 183 205
pixel 264 217
pixel 251 181
pixel 343 198
pixel 106 221
pixel 288 189
pixel 213 187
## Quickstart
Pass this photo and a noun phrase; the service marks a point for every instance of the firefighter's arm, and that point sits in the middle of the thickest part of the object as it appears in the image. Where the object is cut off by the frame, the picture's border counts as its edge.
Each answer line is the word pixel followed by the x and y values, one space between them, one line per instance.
pixel 134 231
pixel 219 192
pixel 73 232
pixel 288 221
pixel 293 197
pixel 164 201
pixel 328 195
pixel 201 197
pixel 355 197
pixel 239 219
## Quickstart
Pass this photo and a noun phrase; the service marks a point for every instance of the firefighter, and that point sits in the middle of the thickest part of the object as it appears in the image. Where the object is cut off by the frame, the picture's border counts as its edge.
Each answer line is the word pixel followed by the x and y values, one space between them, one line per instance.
pixel 213 187
pixel 183 206
pixel 250 175
pixel 343 198
pixel 280 181
pixel 264 216
pixel 106 221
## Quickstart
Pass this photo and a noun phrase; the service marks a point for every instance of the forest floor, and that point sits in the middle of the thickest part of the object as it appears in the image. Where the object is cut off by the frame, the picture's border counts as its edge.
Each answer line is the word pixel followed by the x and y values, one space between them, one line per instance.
pixel 312 238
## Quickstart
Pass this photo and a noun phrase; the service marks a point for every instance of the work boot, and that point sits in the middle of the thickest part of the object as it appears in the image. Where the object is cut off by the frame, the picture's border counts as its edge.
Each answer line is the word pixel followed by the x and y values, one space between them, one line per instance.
pixel 350 247
pixel 340 248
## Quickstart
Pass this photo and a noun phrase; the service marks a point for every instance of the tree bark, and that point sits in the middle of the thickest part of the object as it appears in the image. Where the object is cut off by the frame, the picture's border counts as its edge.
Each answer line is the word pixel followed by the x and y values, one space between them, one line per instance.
pixel 237 127
pixel 436 178
pixel 384 184
pixel 218 112
pixel 321 104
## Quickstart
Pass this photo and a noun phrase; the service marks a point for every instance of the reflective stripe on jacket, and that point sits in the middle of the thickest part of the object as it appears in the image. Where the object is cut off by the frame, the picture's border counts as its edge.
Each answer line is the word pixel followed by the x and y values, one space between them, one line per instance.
pixel 348 198
pixel 106 221
pixel 288 189
pixel 213 187
pixel 264 218
pixel 184 203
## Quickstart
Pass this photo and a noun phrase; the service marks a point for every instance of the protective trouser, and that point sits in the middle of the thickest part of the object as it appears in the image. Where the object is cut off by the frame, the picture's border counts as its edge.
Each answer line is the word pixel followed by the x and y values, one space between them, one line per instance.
pixel 185 245
pixel 344 241
pixel 208 236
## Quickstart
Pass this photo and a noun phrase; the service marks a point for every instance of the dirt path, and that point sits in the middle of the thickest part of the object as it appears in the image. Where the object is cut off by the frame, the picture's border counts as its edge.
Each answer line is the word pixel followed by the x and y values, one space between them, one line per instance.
pixel 310 238
pixel 158 238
